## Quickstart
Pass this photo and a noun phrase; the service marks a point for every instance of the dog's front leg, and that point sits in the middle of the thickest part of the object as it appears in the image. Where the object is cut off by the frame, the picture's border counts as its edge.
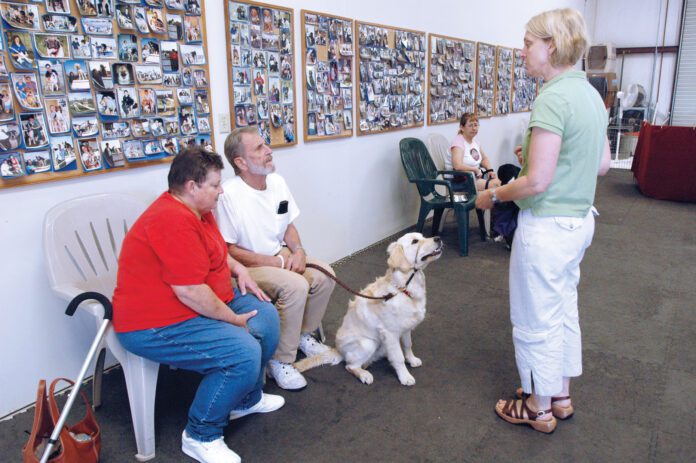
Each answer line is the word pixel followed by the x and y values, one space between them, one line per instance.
pixel 408 350
pixel 396 357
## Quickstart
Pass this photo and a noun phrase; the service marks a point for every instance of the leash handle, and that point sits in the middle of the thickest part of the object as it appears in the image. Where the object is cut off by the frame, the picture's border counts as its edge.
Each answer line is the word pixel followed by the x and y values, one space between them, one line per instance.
pixel 344 286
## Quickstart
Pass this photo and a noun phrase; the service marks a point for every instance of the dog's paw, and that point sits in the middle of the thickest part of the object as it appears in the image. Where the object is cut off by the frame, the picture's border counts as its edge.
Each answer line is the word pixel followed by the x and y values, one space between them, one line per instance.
pixel 366 377
pixel 407 379
pixel 414 361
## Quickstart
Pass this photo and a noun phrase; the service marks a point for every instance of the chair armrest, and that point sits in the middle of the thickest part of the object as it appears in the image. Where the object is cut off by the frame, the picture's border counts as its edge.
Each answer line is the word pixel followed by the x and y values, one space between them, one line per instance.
pixel 447 183
pixel 67 293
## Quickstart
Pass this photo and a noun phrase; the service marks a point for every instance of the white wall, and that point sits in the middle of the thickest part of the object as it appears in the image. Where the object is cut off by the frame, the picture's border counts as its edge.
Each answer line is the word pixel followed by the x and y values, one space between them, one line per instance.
pixel 640 23
pixel 352 192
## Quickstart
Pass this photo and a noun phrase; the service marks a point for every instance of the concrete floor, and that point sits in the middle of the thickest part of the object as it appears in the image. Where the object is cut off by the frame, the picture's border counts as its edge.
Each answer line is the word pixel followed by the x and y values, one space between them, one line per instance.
pixel 635 401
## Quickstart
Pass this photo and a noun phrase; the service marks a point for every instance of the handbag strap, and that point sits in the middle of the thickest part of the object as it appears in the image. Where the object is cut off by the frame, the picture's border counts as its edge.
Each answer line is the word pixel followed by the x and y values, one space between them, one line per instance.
pixel 53 406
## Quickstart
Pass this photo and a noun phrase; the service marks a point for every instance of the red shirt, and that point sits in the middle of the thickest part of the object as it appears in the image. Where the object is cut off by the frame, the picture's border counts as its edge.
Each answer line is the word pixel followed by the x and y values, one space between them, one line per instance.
pixel 168 245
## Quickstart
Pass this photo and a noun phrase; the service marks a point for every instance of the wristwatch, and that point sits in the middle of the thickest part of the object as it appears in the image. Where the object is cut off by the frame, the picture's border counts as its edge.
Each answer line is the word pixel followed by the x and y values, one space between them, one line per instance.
pixel 494 198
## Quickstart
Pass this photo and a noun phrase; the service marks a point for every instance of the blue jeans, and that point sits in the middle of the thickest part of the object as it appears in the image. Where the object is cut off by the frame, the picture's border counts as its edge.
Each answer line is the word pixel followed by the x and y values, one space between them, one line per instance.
pixel 230 359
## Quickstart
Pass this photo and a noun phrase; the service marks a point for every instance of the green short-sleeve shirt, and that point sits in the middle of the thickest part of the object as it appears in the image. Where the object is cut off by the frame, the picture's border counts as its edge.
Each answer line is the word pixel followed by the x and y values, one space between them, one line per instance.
pixel 570 107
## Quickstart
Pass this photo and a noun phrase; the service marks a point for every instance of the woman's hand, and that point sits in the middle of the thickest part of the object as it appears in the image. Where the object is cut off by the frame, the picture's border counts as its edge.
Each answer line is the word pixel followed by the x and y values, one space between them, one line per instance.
pixel 518 154
pixel 241 319
pixel 483 200
pixel 247 284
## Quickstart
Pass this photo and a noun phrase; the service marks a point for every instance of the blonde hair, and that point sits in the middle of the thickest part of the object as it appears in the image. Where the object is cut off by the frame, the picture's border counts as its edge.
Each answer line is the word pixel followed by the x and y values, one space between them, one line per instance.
pixel 566 29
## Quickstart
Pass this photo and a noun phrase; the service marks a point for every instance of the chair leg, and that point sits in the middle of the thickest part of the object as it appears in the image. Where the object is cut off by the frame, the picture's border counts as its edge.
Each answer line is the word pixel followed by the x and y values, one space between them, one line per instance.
pixel 437 216
pixel 443 221
pixel 482 224
pixel 141 382
pixel 97 379
pixel 422 214
pixel 463 225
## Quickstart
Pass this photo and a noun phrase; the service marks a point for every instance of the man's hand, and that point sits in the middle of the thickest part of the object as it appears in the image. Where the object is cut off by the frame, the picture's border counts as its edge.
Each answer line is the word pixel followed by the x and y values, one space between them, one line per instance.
pixel 297 261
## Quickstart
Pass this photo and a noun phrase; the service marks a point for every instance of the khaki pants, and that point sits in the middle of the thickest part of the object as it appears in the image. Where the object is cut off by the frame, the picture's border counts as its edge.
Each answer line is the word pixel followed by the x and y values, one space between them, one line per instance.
pixel 300 299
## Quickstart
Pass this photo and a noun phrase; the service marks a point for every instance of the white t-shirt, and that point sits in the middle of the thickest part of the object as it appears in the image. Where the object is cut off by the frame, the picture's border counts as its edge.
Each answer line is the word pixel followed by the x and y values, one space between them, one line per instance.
pixel 250 218
pixel 472 152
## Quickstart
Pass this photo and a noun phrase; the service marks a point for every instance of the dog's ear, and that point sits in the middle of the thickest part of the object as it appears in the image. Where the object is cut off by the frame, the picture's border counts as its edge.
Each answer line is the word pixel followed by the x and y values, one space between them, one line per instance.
pixel 397 259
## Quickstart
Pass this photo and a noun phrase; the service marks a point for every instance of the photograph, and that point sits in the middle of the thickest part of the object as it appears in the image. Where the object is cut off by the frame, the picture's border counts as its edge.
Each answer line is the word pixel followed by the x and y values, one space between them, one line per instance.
pixel 171 80
pixel 287 92
pixel 106 104
pixel 148 103
pixel 10 137
pixel 85 126
pixel 51 45
pixel 124 17
pixel 37 161
pixel 202 104
pixel 80 46
pixel 51 77
pixel 152 147
pixel 204 125
pixel 10 164
pixel 97 26
pixel 175 27
pixel 105 8
pixel 77 77
pixel 192 29
pixel 3 68
pixel 239 116
pixel 240 76
pixel 347 120
pixel 259 83
pixel 156 21
pixel 187 121
pixel 123 74
pixel 111 130
pixel 276 115
pixel 133 149
pixel 140 127
pixel 187 77
pixel 267 19
pixel 199 78
pixel 21 16
pixel 112 152
pixel 34 130
pixel 236 55
pixel 170 146
pixel 171 125
pixel 185 96
pixel 100 73
pixel 7 112
pixel 58 6
pixel 87 7
pixel 192 55
pixel 150 50
pixel 89 154
pixel 157 127
pixel 20 49
pixel 140 19
pixel 148 74
pixel 26 90
pixel 274 89
pixel 59 23
pixel 155 3
pixel 262 108
pixel 242 95
pixel 58 115
pixel 103 48
pixel 175 4
pixel 128 105
pixel 63 155
pixel 166 105
pixel 193 7
pixel 251 114
pixel 169 56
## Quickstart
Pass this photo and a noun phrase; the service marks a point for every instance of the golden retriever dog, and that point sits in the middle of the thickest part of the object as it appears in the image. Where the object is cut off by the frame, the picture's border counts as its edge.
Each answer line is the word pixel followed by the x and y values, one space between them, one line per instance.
pixel 373 329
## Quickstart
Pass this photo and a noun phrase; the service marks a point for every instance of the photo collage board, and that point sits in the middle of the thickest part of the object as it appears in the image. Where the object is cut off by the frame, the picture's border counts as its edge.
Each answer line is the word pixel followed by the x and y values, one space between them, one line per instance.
pixel 327 61
pixel 503 81
pixel 88 86
pixel 391 78
pixel 260 43
pixel 485 79
pixel 452 78
pixel 524 87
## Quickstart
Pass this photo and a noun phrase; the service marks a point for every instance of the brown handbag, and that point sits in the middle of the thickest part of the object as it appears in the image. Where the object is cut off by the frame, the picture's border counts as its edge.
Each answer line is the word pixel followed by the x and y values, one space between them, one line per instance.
pixel 79 443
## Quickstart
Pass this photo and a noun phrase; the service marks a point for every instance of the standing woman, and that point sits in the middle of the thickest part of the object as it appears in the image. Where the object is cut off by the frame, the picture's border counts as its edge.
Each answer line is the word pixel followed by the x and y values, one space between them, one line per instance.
pixel 466 155
pixel 564 149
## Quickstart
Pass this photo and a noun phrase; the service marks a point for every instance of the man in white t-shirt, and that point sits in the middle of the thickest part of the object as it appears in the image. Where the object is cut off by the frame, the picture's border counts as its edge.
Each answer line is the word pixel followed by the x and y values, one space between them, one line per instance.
pixel 256 215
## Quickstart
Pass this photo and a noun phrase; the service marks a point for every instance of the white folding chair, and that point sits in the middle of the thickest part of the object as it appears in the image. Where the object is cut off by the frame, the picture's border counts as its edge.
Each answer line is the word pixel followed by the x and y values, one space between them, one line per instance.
pixel 82 241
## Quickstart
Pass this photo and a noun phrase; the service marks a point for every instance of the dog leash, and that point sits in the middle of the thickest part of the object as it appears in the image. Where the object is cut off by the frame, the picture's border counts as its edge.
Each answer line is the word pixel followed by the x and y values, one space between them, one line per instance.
pixel 352 291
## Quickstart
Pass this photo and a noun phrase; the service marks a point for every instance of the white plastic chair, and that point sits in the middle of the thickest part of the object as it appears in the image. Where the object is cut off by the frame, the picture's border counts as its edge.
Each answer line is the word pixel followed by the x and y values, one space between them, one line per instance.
pixel 82 241
pixel 438 146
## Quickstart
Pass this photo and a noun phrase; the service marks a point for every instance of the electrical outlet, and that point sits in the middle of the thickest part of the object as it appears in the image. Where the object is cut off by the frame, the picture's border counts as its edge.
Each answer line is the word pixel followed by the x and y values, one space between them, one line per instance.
pixel 224 123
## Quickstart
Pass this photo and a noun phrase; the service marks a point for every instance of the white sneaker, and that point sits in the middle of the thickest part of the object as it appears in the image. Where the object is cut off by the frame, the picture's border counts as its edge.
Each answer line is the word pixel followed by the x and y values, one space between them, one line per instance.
pixel 310 346
pixel 208 452
pixel 268 403
pixel 286 376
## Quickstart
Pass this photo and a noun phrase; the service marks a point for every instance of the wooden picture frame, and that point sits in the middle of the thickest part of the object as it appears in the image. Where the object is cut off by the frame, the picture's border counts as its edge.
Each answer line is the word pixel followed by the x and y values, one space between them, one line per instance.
pixel 260 43
pixel 90 49
pixel 485 79
pixel 397 102
pixel 328 52
pixel 503 80
pixel 524 87
pixel 451 78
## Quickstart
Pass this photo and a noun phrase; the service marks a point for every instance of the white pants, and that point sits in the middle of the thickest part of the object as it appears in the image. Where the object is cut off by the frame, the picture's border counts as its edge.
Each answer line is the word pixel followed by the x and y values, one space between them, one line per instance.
pixel 544 276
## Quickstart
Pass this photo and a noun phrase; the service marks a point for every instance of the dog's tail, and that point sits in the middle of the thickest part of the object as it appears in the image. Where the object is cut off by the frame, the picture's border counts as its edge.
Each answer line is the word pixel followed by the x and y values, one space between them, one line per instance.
pixel 330 357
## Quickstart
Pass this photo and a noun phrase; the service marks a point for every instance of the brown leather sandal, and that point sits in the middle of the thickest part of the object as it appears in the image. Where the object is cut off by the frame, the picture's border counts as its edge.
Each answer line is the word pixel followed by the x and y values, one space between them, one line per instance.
pixel 560 412
pixel 516 411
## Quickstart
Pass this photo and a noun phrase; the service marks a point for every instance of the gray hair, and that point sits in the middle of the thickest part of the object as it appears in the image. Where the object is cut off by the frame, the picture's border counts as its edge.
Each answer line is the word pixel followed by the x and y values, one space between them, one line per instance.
pixel 234 147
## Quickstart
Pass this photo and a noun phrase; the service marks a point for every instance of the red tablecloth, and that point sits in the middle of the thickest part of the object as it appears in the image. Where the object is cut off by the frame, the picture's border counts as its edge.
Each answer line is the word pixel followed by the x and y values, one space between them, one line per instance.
pixel 664 163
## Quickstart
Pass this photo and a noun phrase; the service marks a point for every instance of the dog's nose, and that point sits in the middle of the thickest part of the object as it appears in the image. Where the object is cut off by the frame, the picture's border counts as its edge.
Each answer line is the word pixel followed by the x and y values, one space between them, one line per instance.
pixel 436 239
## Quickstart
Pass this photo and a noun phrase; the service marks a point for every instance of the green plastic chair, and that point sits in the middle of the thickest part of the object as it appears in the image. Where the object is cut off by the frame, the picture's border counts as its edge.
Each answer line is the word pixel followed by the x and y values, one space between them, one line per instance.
pixel 420 169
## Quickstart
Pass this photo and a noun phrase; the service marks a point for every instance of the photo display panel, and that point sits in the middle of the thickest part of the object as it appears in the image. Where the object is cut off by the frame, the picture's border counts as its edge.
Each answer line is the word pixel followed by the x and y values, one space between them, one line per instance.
pixel 452 78
pixel 327 62
pixel 260 45
pixel 503 81
pixel 90 86
pixel 485 79
pixel 524 87
pixel 391 78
